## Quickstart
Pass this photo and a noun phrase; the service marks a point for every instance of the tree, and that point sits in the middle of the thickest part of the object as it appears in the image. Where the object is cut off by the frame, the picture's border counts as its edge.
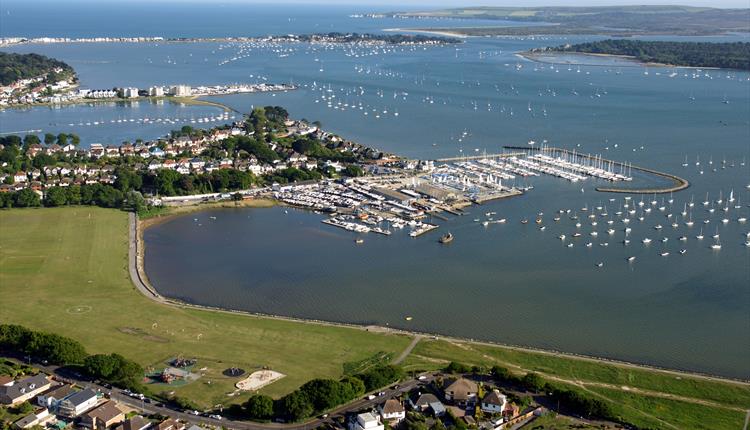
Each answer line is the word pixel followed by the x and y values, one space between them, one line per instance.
pixel 259 407
pixel 75 139
pixel 134 201
pixel 295 406
pixel 353 171
pixel 532 382
pixel 27 198
pixel 31 139
pixel 56 196
pixel 62 139
pixel 49 138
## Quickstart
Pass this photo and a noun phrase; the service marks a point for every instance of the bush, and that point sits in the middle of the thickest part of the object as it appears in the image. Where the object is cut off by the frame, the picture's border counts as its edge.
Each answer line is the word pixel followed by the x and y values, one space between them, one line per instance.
pixel 455 367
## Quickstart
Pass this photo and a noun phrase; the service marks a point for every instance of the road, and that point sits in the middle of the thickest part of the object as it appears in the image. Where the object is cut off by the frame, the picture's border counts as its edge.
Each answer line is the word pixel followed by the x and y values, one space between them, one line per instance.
pixel 152 408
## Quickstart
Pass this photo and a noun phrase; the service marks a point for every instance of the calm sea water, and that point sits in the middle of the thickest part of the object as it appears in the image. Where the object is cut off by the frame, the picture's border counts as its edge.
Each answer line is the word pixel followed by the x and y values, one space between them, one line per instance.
pixel 509 283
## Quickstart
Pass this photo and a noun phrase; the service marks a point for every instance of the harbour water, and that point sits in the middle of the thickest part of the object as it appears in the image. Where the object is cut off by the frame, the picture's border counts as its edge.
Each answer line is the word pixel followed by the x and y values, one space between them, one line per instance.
pixel 508 282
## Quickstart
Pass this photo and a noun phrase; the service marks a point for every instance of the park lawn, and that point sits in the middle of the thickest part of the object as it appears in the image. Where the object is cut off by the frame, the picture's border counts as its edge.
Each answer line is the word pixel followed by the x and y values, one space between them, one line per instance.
pixel 64 270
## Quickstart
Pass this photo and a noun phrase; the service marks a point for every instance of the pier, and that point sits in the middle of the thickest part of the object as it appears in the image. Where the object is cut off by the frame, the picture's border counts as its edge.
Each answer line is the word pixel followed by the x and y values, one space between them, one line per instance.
pixel 679 183
pixel 481 157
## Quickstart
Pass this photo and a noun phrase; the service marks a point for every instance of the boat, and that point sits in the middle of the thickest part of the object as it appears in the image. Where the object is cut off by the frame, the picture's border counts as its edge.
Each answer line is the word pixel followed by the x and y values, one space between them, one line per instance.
pixel 359 241
pixel 446 238
pixel 716 246
pixel 646 241
pixel 631 258
pixel 599 264
pixel 664 254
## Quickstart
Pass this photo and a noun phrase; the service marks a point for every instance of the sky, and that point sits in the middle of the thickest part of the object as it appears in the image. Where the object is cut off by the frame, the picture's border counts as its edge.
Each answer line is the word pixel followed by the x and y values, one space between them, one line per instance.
pixel 431 4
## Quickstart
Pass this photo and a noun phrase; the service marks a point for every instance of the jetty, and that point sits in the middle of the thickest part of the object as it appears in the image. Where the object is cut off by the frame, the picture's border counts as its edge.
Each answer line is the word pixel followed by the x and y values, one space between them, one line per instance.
pixel 678 183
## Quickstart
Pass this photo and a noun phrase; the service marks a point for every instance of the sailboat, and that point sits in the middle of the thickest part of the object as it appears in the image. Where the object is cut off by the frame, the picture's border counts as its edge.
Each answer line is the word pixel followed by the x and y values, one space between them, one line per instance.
pixel 700 235
pixel 716 245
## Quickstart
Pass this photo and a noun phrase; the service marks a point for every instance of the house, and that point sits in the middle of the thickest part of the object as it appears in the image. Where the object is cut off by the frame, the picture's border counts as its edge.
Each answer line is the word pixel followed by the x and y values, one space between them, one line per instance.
pixel 77 403
pixel 96 150
pixel 422 401
pixel 102 417
pixel 366 421
pixel 169 424
pixel 20 177
pixel 197 164
pixel 494 402
pixel 50 398
pixel 392 411
pixel 337 166
pixel 510 411
pixel 6 380
pixel 34 149
pixel 461 391
pixel 135 423
pixel 23 390
pixel 39 417
pixel 157 152
pixel 154 165
pixel 437 409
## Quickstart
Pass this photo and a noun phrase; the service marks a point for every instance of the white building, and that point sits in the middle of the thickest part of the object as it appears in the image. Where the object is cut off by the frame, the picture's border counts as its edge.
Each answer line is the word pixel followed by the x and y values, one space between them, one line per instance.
pixel 156 91
pixel 77 403
pixel 366 421
pixel 130 92
pixel 181 90
pixel 392 411
pixel 494 402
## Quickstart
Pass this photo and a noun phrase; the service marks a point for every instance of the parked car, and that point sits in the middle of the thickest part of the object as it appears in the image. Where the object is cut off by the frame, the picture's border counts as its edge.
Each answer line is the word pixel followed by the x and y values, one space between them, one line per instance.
pixel 370 397
pixel 215 416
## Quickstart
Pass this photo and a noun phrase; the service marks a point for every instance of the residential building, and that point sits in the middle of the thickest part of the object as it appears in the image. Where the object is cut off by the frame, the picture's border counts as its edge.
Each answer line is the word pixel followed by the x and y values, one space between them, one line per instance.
pixel 130 92
pixel 23 390
pixel 392 411
pixel 422 401
pixel 181 91
pixel 103 416
pixel 77 403
pixel 39 417
pixel 169 424
pixel 135 423
pixel 461 391
pixel 156 91
pixel 494 402
pixel 366 421
pixel 50 398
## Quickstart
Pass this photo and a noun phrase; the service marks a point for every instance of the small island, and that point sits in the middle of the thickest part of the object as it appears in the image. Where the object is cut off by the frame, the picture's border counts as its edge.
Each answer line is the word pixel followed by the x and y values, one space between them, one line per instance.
pixel 734 55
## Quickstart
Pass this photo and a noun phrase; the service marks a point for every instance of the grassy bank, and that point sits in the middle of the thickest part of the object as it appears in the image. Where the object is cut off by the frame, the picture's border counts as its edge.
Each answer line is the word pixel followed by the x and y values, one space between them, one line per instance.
pixel 673 399
pixel 64 270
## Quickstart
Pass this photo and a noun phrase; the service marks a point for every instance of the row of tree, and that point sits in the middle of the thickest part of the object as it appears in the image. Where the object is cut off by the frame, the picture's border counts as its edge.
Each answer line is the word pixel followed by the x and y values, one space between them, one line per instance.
pixel 319 395
pixel 14 67
pixel 63 351
pixel 730 55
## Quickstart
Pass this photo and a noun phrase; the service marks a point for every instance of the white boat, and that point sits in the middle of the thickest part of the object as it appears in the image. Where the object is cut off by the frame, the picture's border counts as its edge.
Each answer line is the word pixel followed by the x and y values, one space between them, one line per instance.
pixel 631 258
pixel 664 254
pixel 646 241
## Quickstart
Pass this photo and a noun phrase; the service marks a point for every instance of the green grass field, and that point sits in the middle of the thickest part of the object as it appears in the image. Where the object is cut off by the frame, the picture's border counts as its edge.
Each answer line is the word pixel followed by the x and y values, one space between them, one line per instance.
pixel 64 270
